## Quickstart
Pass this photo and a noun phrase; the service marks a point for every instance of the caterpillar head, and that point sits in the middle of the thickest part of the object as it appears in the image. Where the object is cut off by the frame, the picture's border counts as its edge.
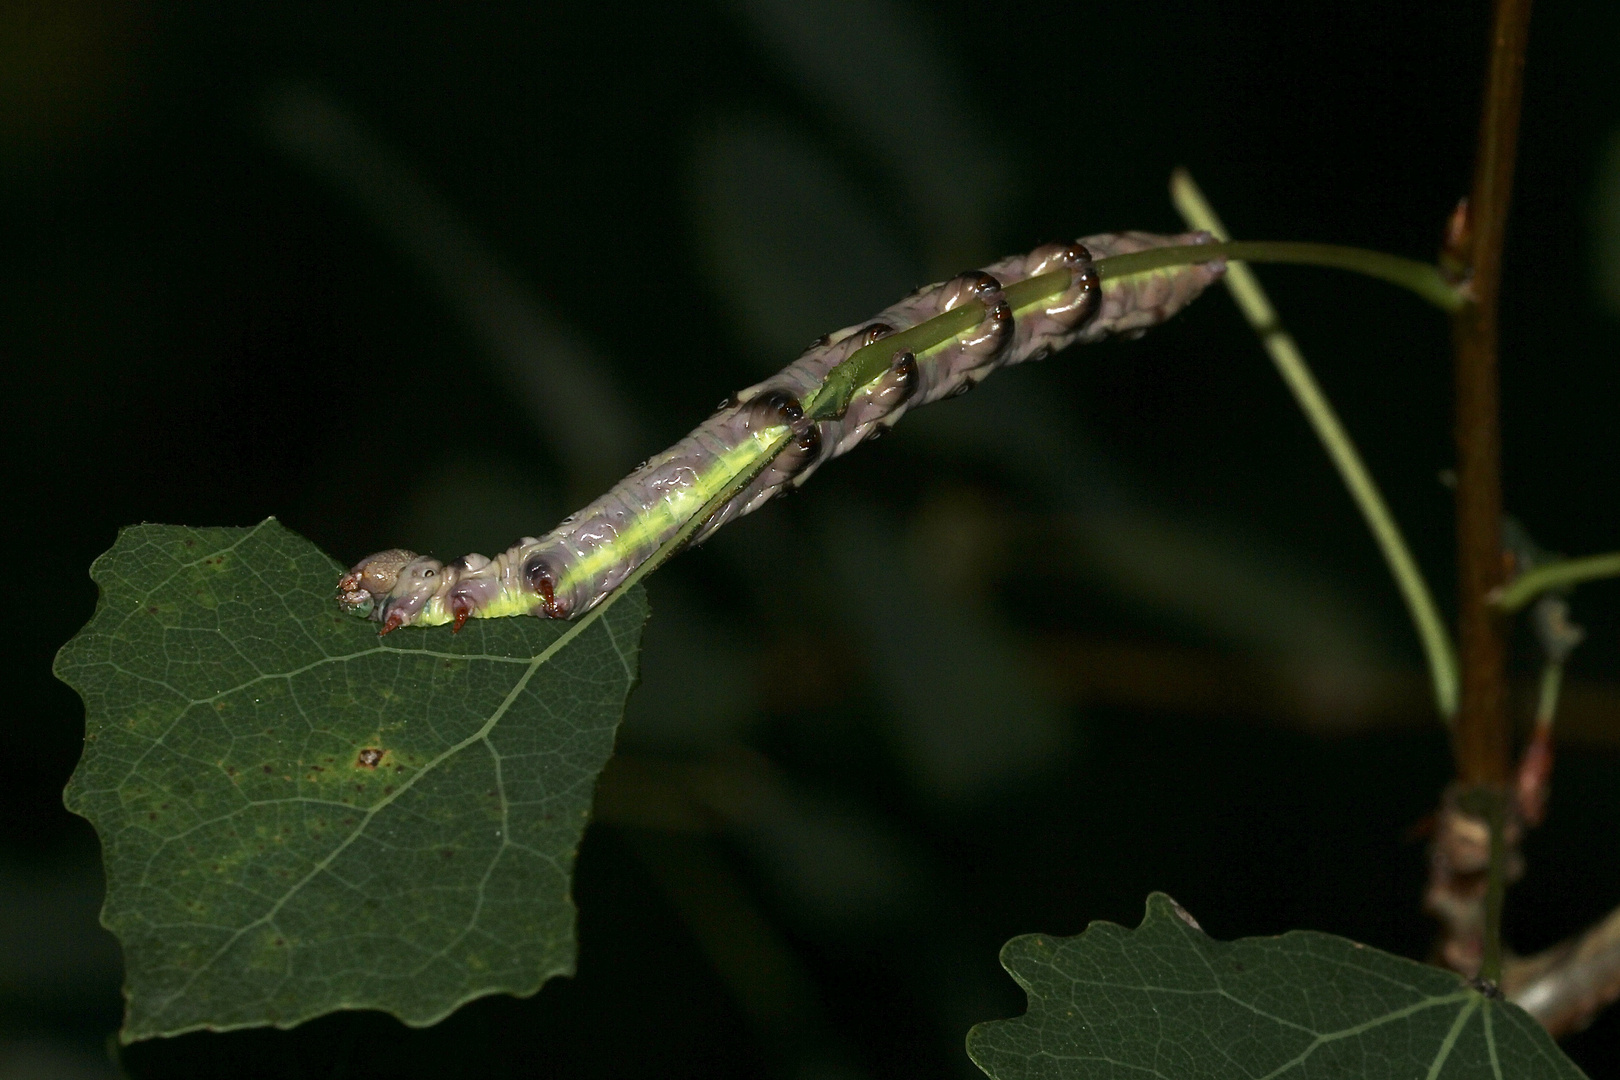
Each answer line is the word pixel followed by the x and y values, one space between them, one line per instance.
pixel 371 579
pixel 391 586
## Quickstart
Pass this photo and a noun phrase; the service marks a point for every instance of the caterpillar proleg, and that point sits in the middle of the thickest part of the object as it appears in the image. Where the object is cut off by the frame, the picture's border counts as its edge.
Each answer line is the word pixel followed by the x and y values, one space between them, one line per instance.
pixel 940 341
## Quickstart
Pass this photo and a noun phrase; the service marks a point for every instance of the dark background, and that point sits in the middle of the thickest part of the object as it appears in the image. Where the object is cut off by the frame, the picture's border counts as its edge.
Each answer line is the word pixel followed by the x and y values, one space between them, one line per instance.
pixel 1196 675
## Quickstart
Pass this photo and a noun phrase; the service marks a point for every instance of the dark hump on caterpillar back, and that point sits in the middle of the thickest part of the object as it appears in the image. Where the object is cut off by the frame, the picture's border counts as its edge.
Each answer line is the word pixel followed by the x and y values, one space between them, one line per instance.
pixel 906 375
pixel 541 577
pixel 979 283
pixel 775 407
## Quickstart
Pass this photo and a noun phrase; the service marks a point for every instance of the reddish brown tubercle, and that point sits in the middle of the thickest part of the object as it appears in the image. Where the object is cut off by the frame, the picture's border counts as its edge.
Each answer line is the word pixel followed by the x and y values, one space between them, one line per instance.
pixel 395 587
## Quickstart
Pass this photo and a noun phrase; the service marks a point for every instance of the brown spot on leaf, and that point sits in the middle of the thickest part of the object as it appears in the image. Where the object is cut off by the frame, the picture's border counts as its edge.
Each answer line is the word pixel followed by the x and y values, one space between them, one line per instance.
pixel 448 853
pixel 268 769
pixel 369 758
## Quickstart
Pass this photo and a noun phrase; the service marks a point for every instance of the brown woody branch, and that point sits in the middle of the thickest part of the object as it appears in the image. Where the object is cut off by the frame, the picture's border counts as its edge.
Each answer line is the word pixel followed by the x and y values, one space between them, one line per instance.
pixel 1568 985
pixel 1470 908
pixel 1482 738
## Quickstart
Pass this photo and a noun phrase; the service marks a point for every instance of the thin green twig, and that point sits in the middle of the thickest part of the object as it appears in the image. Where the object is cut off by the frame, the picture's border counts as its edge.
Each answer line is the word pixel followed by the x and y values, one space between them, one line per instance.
pixel 1421 278
pixel 1562 574
pixel 1490 966
pixel 676 542
pixel 867 363
pixel 1552 681
pixel 1252 301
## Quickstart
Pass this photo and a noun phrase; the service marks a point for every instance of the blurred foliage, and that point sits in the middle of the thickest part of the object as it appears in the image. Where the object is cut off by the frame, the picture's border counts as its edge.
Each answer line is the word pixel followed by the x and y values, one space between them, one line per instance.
pixel 207 323
pixel 1166 999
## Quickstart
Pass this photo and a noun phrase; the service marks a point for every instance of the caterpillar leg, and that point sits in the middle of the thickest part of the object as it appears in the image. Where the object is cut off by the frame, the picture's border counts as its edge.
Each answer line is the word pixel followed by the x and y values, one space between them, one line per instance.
pixel 461 609
pixel 370 579
pixel 873 409
pixel 575 566
pixel 393 587
pixel 418 585
pixel 472 587
pixel 960 366
pixel 773 408
pixel 401 588
pixel 541 577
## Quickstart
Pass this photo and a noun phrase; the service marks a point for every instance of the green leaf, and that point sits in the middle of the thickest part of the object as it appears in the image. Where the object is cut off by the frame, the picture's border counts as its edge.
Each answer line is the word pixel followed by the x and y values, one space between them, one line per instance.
pixel 297 816
pixel 1165 1000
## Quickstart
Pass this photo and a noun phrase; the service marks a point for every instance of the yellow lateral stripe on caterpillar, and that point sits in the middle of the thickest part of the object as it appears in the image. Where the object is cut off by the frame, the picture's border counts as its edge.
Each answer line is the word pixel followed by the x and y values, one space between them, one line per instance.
pixel 940 341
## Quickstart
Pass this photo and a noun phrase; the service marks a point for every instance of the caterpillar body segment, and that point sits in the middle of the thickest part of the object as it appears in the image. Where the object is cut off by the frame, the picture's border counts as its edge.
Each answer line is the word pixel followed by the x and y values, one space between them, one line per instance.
pixel 575 566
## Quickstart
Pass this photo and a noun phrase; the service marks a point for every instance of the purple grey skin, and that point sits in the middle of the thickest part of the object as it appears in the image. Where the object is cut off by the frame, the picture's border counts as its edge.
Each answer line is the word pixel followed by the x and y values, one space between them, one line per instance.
pixel 575 566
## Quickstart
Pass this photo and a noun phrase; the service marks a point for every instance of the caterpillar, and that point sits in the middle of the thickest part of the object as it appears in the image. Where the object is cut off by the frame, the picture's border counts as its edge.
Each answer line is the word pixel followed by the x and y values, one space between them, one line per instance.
pixel 946 338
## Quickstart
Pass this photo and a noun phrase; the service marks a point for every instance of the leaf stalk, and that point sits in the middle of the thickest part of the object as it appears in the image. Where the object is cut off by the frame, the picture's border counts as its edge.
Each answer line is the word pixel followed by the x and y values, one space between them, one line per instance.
pixel 867 363
pixel 1559 575
pixel 1251 299
pixel 1421 278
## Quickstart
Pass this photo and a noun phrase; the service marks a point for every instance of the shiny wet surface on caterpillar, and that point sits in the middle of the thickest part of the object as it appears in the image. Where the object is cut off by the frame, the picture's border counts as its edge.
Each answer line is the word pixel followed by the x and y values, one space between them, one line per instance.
pixel 574 567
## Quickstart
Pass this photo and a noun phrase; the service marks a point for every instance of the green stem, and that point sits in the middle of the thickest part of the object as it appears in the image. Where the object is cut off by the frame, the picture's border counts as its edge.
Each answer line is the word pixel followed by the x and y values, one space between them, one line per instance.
pixel 1490 968
pixel 867 363
pixel 675 543
pixel 870 361
pixel 1421 278
pixel 831 398
pixel 1256 307
pixel 1558 575
pixel 1490 803
pixel 1552 681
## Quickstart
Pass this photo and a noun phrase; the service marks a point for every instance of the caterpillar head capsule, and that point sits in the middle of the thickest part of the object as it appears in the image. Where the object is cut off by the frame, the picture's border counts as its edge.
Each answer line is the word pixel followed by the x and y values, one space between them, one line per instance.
pixel 371 579
pixel 761 441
